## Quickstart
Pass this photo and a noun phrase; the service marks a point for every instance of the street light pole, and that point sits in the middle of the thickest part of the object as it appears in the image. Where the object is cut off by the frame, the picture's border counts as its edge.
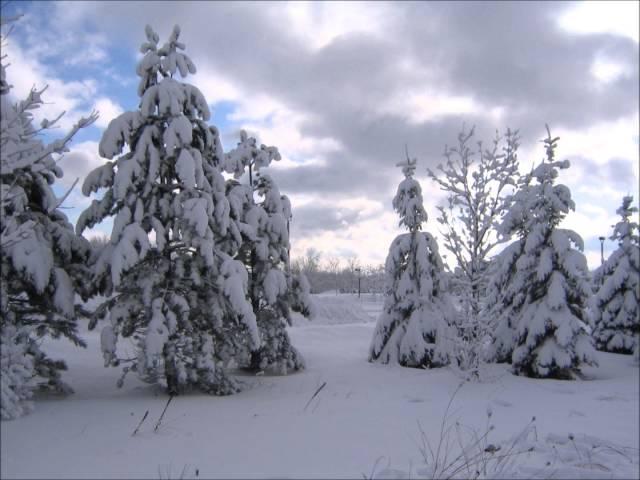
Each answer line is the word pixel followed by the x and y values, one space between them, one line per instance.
pixel 358 270
pixel 601 250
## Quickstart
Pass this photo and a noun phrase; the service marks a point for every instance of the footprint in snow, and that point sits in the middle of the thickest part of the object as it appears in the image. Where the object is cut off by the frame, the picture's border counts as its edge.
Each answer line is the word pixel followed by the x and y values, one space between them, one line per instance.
pixel 416 400
pixel 611 398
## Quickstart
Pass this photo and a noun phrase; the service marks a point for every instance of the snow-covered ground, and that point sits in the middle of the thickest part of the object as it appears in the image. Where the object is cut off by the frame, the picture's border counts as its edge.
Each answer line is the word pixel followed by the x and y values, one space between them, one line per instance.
pixel 366 420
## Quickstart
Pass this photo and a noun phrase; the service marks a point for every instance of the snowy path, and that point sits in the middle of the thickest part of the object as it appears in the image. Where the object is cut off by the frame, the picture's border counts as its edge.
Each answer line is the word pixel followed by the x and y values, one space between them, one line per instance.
pixel 364 412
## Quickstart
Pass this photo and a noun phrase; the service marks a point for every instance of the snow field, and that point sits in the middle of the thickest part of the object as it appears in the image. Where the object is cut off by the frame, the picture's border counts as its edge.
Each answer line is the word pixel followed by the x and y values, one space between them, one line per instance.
pixel 334 309
pixel 365 412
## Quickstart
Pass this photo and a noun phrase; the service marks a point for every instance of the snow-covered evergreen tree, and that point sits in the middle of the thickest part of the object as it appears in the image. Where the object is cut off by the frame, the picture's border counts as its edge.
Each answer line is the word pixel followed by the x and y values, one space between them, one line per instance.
pixel 413 328
pixel 505 296
pixel 506 292
pixel 183 297
pixel 551 338
pixel 476 182
pixel 264 250
pixel 42 260
pixel 16 372
pixel 616 306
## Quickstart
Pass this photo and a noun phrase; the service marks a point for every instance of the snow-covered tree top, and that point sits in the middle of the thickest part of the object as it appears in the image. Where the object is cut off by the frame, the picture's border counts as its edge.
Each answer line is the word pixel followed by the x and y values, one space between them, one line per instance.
pixel 247 154
pixel 624 231
pixel 408 199
pixel 408 166
pixel 541 204
pixel 269 190
pixel 164 61
pixel 162 97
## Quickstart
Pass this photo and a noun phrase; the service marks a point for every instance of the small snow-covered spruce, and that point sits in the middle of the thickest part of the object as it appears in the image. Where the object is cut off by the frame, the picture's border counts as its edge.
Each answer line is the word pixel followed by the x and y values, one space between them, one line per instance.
pixel 476 182
pixel 413 328
pixel 264 250
pixel 42 260
pixel 616 305
pixel 551 334
pixel 182 298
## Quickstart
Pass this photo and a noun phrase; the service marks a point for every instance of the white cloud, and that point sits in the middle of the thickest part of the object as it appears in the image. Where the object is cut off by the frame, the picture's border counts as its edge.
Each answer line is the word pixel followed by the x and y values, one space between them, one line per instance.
pixel 619 17
pixel 428 104
pixel 266 117
pixel 275 124
pixel 79 161
pixel 602 141
pixel 108 110
pixel 286 163
pixel 25 72
pixel 356 239
pixel 214 87
pixel 606 71
pixel 318 24
pixel 368 239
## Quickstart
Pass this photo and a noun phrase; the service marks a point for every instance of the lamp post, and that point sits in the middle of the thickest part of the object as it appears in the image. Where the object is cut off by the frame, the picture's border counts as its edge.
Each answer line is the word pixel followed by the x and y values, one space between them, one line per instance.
pixel 601 250
pixel 358 271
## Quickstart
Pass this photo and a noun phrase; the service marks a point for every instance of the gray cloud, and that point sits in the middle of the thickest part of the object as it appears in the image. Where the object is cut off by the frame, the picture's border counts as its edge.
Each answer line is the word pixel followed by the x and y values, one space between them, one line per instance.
pixel 503 54
pixel 617 172
pixel 620 173
pixel 343 175
pixel 310 219
pixel 77 164
pixel 509 54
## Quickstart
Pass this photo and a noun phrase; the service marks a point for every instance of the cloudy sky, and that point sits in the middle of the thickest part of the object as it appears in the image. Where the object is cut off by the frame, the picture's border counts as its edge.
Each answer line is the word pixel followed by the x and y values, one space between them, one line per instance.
pixel 340 88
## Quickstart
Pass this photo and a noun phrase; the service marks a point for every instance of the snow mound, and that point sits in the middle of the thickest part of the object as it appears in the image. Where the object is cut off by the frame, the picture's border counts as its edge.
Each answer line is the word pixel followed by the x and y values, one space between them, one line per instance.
pixel 335 310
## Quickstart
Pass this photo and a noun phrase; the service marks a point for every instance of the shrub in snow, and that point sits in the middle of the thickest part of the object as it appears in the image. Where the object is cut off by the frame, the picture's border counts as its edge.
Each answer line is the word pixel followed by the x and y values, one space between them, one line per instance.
pixel 413 327
pixel 616 305
pixel 475 182
pixel 549 286
pixel 263 243
pixel 42 260
pixel 181 298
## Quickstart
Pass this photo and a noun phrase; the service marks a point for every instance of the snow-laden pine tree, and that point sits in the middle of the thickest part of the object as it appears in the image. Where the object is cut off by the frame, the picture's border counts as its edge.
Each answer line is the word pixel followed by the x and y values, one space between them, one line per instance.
pixel 181 297
pixel 42 260
pixel 616 305
pixel 476 182
pixel 505 296
pixel 551 337
pixel 16 372
pixel 413 328
pixel 506 292
pixel 264 249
